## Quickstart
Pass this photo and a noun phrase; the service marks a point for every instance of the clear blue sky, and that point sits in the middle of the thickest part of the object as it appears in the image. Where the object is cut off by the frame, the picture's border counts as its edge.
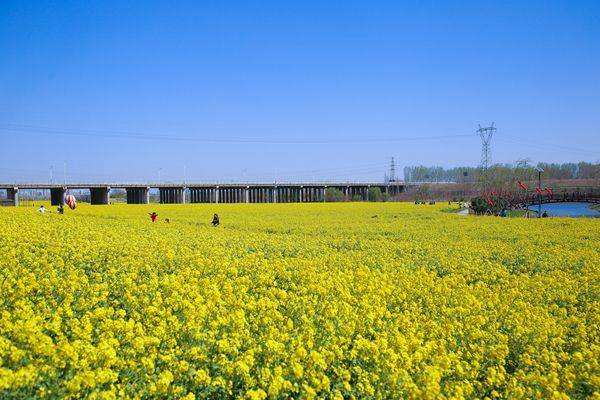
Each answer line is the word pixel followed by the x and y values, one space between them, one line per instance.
pixel 291 90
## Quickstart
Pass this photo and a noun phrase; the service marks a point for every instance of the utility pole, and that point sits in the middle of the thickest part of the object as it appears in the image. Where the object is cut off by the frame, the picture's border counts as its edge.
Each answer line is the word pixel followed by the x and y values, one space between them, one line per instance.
pixel 51 174
pixel 392 177
pixel 65 172
pixel 486 133
pixel 539 171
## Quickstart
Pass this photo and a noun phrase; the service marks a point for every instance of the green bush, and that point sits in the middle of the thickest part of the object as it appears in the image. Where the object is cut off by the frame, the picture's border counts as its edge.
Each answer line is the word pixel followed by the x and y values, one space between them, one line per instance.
pixel 375 194
pixel 480 205
pixel 334 194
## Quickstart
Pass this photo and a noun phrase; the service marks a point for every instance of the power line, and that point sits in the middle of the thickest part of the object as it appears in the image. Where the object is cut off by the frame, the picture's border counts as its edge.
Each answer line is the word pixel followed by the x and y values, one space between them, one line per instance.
pixel 34 129
pixel 547 146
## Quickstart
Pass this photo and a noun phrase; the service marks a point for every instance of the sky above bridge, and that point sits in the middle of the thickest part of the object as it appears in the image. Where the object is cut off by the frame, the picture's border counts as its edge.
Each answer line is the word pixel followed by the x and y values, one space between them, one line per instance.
pixel 271 90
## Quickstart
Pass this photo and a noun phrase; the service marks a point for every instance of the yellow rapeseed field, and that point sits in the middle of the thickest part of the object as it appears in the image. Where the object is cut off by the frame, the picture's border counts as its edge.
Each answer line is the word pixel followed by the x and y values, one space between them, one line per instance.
pixel 338 301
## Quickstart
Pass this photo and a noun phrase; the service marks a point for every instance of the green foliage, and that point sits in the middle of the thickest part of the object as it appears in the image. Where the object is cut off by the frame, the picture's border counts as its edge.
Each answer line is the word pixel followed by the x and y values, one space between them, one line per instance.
pixel 375 194
pixel 333 194
pixel 481 206
pixel 521 170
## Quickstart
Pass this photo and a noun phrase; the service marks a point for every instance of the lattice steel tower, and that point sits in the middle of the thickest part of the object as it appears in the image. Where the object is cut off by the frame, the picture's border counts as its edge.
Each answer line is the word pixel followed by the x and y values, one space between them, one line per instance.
pixel 392 177
pixel 486 137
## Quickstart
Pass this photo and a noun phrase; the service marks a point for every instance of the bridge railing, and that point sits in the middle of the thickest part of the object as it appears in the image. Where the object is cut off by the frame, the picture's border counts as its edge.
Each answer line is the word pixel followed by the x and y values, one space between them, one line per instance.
pixel 561 194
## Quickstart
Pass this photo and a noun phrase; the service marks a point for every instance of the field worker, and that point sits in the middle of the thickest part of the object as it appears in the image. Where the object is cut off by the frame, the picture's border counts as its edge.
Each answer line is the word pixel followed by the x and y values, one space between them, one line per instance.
pixel 42 209
pixel 153 216
pixel 60 209
pixel 215 220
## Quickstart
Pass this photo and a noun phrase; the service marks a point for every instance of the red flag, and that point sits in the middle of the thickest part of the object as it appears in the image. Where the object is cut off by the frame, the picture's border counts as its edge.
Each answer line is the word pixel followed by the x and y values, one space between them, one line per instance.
pixel 494 193
pixel 522 185
pixel 538 190
pixel 549 191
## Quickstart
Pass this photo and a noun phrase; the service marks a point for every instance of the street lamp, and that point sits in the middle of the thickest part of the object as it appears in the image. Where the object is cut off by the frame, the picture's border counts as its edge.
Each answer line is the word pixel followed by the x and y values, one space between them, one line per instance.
pixel 539 171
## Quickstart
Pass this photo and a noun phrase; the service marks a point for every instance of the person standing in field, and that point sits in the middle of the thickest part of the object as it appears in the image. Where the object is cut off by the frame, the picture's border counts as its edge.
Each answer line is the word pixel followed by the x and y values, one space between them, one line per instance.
pixel 42 209
pixel 153 216
pixel 215 220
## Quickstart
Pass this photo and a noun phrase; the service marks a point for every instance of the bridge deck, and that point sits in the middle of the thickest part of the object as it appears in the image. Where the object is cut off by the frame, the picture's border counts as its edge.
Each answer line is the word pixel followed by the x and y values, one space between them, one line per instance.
pixel 78 185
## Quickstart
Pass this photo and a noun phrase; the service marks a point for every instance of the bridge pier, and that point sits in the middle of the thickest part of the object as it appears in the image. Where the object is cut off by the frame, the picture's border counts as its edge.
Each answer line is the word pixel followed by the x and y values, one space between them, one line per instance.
pixel 57 196
pixel 173 195
pixel 99 195
pixel 200 195
pixel 138 195
pixel 12 195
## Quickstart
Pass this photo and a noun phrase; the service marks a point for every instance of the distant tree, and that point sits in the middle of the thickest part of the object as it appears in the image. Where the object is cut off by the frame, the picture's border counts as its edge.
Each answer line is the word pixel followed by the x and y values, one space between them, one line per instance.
pixel 374 194
pixel 423 192
pixel 334 194
pixel 357 197
pixel 499 174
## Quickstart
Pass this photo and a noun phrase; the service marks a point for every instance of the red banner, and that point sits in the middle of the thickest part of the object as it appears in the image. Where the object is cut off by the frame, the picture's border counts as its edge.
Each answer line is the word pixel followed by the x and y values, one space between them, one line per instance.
pixel 522 185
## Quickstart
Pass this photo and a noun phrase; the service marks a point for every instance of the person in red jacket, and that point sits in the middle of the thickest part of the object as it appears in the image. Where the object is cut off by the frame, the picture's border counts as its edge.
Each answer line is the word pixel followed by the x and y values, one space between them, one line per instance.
pixel 153 216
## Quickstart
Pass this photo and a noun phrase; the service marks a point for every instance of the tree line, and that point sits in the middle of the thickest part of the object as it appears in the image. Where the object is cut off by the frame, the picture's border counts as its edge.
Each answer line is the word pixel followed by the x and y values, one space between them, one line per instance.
pixel 520 170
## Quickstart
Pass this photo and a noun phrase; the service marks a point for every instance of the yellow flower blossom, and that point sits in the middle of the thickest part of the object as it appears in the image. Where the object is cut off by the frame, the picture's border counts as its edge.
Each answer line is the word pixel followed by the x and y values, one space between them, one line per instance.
pixel 297 301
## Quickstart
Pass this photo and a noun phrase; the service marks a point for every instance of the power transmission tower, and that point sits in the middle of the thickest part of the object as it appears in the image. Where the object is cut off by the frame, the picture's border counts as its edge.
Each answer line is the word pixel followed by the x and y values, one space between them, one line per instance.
pixel 485 133
pixel 392 177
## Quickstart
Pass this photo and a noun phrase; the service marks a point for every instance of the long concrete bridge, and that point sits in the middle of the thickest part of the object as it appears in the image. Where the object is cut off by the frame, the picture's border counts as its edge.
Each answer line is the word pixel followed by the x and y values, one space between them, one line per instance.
pixel 207 192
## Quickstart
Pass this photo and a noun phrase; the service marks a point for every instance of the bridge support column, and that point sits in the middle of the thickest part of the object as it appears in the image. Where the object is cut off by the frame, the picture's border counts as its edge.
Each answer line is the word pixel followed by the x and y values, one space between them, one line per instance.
pixel 138 195
pixel 200 195
pixel 99 195
pixel 12 195
pixel 57 196
pixel 171 195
